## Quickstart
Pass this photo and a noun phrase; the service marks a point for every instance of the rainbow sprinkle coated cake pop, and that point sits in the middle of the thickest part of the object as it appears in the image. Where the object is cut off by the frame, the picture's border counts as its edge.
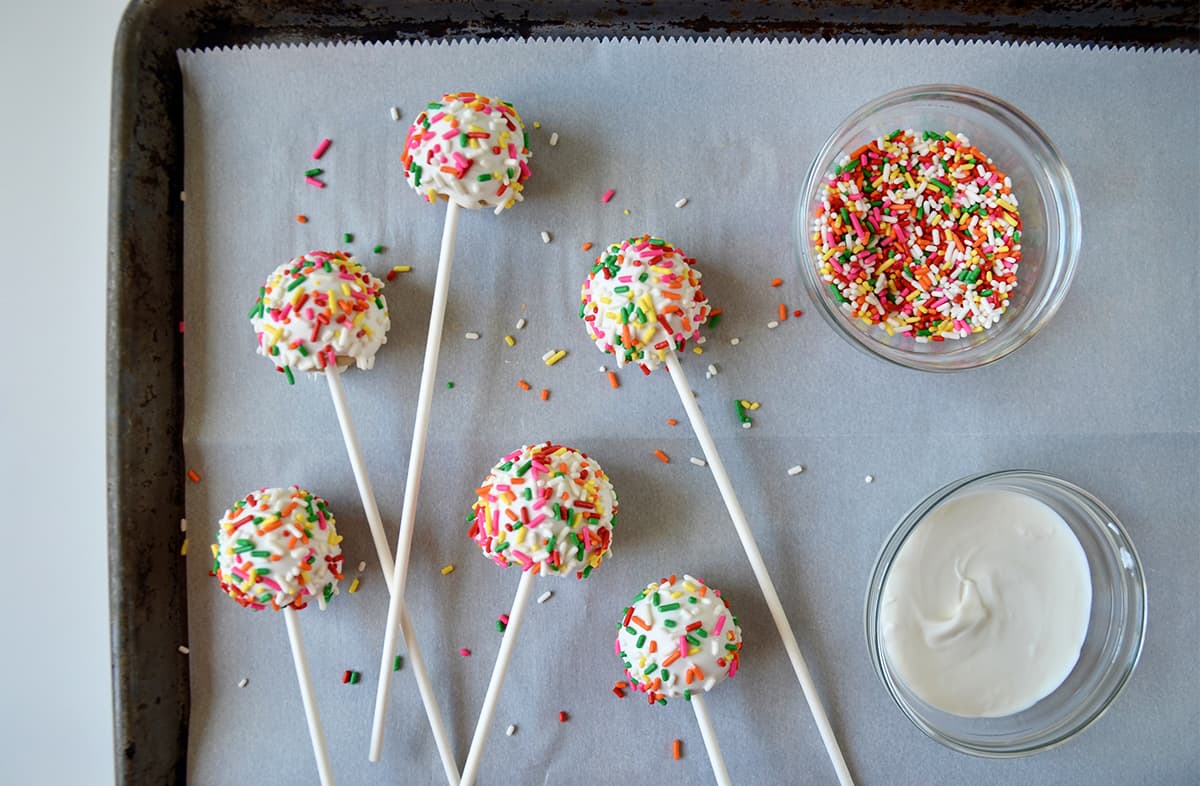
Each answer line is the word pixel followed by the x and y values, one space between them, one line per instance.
pixel 320 306
pixel 547 508
pixel 468 148
pixel 277 548
pixel 643 300
pixel 678 636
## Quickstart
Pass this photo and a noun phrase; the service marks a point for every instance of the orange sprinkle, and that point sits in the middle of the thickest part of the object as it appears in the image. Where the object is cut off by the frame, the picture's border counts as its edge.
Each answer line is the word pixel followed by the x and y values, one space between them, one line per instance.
pixel 612 380
pixel 586 246
pixel 641 623
pixel 667 661
pixel 653 646
pixel 663 457
pixel 782 313
pixel 301 219
pixel 287 509
pixel 193 476
pixel 672 422
pixel 545 394
pixel 522 384
pixel 774 282
pixel 677 749
pixel 274 525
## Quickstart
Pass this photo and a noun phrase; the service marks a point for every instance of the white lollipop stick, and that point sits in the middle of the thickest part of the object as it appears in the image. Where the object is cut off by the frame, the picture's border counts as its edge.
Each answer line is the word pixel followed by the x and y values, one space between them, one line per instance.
pixel 746 535
pixel 499 671
pixel 334 375
pixel 710 739
pixel 384 554
pixel 306 694
pixel 412 485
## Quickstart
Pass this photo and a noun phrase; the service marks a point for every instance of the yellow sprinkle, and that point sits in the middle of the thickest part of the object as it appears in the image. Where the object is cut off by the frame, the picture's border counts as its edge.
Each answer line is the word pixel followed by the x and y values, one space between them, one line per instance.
pixel 354 586
pixel 537 124
pixel 214 551
pixel 627 211
pixel 345 289
pixel 1009 219
pixel 648 333
pixel 557 356
pixel 183 548
pixel 676 595
pixel 698 350
pixel 447 570
pixel 510 341
pixel 689 586
pixel 1009 206
pixel 754 405
pixel 402 268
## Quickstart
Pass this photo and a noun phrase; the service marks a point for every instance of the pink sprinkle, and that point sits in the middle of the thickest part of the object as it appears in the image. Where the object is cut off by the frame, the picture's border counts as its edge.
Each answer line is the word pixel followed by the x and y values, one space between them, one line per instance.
pixel 720 624
pixel 683 646
pixel 321 148
pixel 608 195
pixel 180 327
pixel 270 583
pixel 504 618
pixel 466 653
pixel 312 181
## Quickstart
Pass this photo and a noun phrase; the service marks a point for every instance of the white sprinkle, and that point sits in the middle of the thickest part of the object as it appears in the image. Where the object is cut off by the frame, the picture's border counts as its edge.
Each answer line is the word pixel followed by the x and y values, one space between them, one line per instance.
pixel 511 730
pixel 772 324
pixel 712 369
pixel 554 139
pixel 473 336
pixel 243 682
pixel 735 341
pixel 747 425
pixel 603 369
pixel 545 236
pixel 183 650
pixel 183 525
pixel 548 355
pixel 182 196
pixel 362 566
pixel 869 479
pixel 702 339
pixel 395 113
pixel 521 323
pixel 796 470
pixel 545 596
pixel 699 462
pixel 681 202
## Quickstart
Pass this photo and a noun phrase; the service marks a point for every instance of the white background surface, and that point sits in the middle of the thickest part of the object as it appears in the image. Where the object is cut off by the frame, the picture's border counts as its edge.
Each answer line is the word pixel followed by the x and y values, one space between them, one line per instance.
pixel 55 697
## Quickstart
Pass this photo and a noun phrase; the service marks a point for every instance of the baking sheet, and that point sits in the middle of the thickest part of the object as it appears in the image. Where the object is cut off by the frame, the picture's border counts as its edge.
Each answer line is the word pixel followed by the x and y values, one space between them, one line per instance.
pixel 1105 396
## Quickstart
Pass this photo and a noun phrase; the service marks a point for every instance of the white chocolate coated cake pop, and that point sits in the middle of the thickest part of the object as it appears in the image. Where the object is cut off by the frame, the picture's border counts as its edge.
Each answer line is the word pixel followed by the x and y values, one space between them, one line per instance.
pixel 642 300
pixel 470 149
pixel 546 508
pixel 320 306
pixel 678 636
pixel 278 547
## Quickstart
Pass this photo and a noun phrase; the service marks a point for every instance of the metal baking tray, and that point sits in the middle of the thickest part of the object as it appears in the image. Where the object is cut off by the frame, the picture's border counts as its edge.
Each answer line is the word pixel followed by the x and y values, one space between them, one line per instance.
pixel 146 474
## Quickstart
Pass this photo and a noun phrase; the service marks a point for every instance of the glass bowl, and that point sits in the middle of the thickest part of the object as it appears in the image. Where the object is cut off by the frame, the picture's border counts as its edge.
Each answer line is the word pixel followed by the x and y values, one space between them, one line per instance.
pixel 1049 209
pixel 1110 650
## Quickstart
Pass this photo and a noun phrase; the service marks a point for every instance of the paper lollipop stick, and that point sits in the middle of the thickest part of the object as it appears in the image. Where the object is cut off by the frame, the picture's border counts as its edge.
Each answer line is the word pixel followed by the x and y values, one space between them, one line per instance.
pixel 548 509
pixel 507 644
pixel 641 303
pixel 315 732
pixel 317 313
pixel 679 638
pixel 710 740
pixel 471 151
pixel 278 549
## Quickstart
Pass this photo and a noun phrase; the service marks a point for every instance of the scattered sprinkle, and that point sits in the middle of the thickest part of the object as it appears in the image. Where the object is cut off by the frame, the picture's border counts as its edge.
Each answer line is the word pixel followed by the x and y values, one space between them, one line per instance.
pixel 502 623
pixel 449 386
pixel 522 384
pixel 511 730
pixel 466 653
pixel 554 139
pixel 618 692
pixel 350 677
pixel 447 569
pixel 301 218
pixel 354 586
pixel 712 369
pixel 193 476
pixel 783 313
pixel 377 250
pixel 545 596
pixel 362 566
pixel 554 356
pixel 512 342
pixel 663 457
pixel 734 341
pixel 347 237
pixel 537 124
pixel 183 525
pixel 312 181
pixel 699 462
pixel 521 323
pixel 677 750
pixel 181 326
pixel 586 246
pixel 797 313
pixel 626 211
pixel 183 650
pixel 314 172
pixel 183 548
pixel 545 394
pixel 772 324
pixel 672 422
pixel 681 202
pixel 398 663
pixel 398 269
pixel 395 113
pixel 243 682
pixel 869 479
pixel 608 195
pixel 471 335
pixel 776 282
pixel 321 148
pixel 182 196
pixel 796 470
pixel 545 236
pixel 613 382
pixel 562 716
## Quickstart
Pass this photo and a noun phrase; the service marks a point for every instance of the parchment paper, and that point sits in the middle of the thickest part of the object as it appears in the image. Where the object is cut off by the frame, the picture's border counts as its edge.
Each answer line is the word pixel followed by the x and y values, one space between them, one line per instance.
pixel 1105 396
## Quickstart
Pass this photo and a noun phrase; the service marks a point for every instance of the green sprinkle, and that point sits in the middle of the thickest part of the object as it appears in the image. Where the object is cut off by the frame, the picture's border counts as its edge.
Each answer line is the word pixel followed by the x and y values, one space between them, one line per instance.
pixel 347 237
pixel 287 372
pixel 378 249
pixel 313 172
pixel 355 677
pixel 299 280
pixel 449 386
pixel 398 663
pixel 669 623
pixel 668 607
